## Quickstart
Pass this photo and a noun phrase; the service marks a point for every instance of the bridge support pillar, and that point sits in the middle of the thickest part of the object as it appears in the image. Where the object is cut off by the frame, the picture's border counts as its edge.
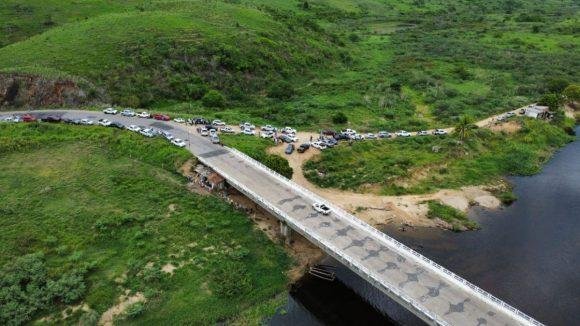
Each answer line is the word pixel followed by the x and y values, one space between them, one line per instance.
pixel 285 232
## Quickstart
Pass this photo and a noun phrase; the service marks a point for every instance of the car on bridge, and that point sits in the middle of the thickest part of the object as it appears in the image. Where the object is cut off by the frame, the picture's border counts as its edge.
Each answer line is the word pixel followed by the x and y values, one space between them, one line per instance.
pixel 128 113
pixel 322 208
pixel 178 142
pixel 110 111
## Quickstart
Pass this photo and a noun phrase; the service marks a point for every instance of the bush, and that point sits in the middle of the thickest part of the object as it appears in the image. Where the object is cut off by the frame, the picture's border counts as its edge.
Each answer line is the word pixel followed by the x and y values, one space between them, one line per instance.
pixel 339 118
pixel 213 99
pixel 281 90
pixel 135 310
pixel 230 279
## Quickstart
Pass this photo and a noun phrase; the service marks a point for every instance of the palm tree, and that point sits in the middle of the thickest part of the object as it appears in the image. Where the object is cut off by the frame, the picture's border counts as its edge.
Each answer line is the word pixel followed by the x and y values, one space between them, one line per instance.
pixel 464 126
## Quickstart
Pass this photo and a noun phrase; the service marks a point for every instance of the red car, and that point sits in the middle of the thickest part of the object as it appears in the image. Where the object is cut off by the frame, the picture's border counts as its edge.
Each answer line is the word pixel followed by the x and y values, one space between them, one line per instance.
pixel 28 118
pixel 162 117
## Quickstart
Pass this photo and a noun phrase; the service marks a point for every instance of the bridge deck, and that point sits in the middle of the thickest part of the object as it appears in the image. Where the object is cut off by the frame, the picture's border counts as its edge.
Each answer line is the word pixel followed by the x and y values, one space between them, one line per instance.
pixel 427 289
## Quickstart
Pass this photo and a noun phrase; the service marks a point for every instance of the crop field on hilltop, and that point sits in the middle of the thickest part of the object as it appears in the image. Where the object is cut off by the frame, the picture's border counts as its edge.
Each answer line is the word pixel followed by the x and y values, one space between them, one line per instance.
pixel 425 164
pixel 89 213
pixel 385 64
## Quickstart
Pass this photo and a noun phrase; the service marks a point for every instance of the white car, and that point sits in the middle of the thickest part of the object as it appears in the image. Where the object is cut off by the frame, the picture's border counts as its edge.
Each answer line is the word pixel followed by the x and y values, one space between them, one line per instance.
pixel 147 132
pixel 322 208
pixel 403 133
pixel 214 139
pixel 267 128
pixel 110 111
pixel 213 133
pixel 510 114
pixel 266 134
pixel 248 132
pixel 371 136
pixel 247 125
pixel 349 132
pixel 422 133
pixel 104 122
pixel 288 130
pixel 292 137
pixel 227 130
pixel 144 114
pixel 218 123
pixel 134 128
pixel 318 144
pixel 8 119
pixel 87 122
pixel 204 132
pixel 384 134
pixel 167 135
pixel 439 132
pixel 179 142
pixel 128 113
pixel 179 120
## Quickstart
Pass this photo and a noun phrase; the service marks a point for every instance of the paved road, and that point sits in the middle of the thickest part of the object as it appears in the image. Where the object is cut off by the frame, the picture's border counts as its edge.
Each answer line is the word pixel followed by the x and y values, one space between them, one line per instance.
pixel 428 290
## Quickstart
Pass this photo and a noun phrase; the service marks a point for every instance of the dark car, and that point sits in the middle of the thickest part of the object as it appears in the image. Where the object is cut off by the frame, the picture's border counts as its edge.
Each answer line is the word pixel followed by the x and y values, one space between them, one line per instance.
pixel 303 148
pixel 285 138
pixel 28 118
pixel 51 118
pixel 67 120
pixel 162 117
pixel 117 125
pixel 289 149
pixel 198 121
pixel 329 132
pixel 341 136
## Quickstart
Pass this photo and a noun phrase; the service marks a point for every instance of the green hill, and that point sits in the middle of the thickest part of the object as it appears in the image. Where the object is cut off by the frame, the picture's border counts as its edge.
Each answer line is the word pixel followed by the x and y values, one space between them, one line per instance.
pixel 386 64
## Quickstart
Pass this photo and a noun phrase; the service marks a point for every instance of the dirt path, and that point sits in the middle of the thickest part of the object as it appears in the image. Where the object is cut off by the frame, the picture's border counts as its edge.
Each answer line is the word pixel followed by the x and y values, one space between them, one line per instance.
pixel 381 210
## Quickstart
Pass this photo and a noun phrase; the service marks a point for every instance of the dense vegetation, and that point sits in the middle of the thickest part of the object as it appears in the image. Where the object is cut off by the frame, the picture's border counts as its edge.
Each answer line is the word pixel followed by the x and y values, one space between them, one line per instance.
pixel 90 212
pixel 424 164
pixel 256 149
pixel 384 64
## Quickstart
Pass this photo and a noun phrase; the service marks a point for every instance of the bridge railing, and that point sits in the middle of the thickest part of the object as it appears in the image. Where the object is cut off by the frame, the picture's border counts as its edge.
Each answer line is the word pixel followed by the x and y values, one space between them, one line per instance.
pixel 402 247
pixel 323 243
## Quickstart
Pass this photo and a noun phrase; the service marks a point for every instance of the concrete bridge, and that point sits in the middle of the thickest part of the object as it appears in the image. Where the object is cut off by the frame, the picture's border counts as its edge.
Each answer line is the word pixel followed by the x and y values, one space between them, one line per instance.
pixel 434 294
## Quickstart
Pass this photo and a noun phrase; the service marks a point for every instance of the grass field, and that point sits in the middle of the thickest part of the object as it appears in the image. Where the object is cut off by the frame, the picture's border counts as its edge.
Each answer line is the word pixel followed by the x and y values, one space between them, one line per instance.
pixel 97 212
pixel 425 164
pixel 385 64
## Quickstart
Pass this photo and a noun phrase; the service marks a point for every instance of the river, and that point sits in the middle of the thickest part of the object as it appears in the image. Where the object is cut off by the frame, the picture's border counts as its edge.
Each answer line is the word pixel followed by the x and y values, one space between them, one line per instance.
pixel 527 254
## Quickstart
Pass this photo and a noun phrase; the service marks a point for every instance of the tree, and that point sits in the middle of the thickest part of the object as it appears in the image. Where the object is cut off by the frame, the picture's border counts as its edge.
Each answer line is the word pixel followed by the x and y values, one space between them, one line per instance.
pixel 339 118
pixel 464 127
pixel 572 93
pixel 553 101
pixel 213 99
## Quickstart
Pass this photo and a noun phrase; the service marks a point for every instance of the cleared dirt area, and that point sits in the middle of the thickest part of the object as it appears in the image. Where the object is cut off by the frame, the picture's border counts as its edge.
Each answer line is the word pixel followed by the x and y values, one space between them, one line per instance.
pixel 409 210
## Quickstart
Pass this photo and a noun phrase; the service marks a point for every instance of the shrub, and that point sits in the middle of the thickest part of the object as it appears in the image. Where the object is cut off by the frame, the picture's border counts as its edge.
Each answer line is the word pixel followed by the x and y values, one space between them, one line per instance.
pixel 339 118
pixel 135 310
pixel 213 99
pixel 281 90
pixel 230 279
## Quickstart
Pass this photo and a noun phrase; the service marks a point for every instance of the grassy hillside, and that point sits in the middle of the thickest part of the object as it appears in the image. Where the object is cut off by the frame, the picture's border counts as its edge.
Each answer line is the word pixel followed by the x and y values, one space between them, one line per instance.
pixel 88 213
pixel 386 64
